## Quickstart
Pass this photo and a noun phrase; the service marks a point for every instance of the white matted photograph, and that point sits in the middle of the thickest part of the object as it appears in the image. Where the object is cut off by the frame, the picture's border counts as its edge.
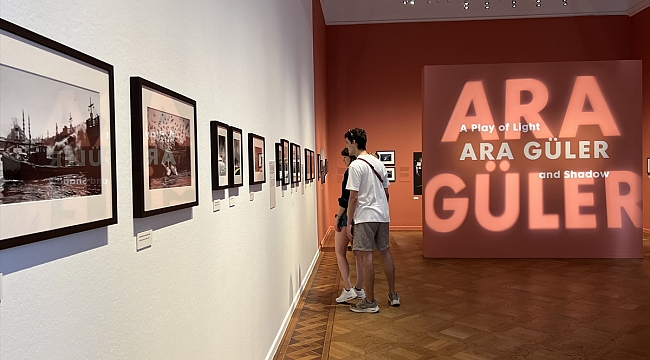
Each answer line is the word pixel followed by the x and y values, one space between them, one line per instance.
pixel 387 157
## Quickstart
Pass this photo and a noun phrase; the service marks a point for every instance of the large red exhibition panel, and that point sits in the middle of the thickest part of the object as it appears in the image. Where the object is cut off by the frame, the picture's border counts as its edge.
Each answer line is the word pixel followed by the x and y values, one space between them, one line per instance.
pixel 539 160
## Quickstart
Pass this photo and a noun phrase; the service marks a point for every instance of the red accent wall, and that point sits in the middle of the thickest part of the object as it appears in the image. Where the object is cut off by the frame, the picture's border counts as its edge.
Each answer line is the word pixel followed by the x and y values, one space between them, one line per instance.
pixel 320 105
pixel 374 77
pixel 641 50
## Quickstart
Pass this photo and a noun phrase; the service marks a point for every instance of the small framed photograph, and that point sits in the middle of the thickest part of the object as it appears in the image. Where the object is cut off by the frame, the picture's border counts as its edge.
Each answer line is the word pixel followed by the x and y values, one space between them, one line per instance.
pixel 164 149
pixel 286 162
pixel 390 171
pixel 417 173
pixel 57 139
pixel 257 170
pixel 318 167
pixel 307 165
pixel 648 168
pixel 278 162
pixel 293 158
pixel 387 157
pixel 220 155
pixel 235 151
pixel 312 164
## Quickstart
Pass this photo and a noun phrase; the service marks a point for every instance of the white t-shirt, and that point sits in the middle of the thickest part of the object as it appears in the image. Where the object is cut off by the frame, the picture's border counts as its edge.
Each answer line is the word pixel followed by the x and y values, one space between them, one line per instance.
pixel 372 205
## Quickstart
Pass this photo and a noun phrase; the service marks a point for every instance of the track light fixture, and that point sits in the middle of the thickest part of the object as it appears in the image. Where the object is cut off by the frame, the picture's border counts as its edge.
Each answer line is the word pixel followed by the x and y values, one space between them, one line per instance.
pixel 486 3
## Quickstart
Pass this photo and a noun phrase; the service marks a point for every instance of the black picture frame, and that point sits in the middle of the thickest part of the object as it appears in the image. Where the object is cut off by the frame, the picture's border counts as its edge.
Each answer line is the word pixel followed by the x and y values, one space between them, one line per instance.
pixel 387 157
pixel 293 163
pixel 278 162
pixel 417 173
pixel 256 159
pixel 307 172
pixel 164 148
pixel 28 219
pixel 390 171
pixel 309 165
pixel 236 159
pixel 286 162
pixel 319 167
pixel 220 148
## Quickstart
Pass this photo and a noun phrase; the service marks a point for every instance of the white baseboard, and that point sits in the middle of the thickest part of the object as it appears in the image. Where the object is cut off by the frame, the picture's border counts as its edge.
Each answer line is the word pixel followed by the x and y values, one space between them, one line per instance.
pixel 287 317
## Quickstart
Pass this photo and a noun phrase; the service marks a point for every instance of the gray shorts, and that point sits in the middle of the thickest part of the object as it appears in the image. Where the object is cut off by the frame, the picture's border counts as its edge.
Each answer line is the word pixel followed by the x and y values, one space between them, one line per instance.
pixel 369 234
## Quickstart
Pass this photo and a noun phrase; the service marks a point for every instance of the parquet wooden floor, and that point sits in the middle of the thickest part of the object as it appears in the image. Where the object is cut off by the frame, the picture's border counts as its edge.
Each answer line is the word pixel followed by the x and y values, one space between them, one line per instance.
pixel 535 309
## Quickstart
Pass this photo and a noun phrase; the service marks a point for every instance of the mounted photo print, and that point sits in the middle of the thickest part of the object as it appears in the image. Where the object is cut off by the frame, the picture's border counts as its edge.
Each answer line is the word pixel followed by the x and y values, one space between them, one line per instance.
pixel 164 149
pixel 286 162
pixel 257 173
pixel 417 173
pixel 293 159
pixel 235 151
pixel 387 157
pixel 390 170
pixel 298 164
pixel 220 155
pixel 318 167
pixel 278 162
pixel 307 172
pixel 57 139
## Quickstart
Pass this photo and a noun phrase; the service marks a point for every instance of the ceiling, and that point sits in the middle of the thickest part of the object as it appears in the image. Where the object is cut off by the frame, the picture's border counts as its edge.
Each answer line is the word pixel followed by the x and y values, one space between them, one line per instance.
pixel 342 12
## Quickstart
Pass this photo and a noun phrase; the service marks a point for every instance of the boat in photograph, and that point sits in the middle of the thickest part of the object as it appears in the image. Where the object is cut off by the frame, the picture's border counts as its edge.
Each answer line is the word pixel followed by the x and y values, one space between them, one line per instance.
pixel 74 150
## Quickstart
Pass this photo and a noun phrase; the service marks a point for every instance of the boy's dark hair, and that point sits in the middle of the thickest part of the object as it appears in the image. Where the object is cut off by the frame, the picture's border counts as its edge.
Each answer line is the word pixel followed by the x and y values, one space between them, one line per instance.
pixel 357 135
pixel 346 152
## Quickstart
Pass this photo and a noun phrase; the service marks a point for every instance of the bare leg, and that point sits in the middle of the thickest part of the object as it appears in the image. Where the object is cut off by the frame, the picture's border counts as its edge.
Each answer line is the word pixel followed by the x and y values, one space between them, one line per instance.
pixel 389 269
pixel 359 262
pixel 341 247
pixel 368 274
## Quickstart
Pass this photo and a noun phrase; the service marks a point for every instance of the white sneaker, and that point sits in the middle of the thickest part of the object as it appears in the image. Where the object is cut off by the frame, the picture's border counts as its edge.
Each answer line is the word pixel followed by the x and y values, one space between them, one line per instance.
pixel 361 294
pixel 347 295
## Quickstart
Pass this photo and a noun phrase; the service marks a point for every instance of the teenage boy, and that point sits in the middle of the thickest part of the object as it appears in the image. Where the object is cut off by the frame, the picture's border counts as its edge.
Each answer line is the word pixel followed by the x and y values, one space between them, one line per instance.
pixel 368 207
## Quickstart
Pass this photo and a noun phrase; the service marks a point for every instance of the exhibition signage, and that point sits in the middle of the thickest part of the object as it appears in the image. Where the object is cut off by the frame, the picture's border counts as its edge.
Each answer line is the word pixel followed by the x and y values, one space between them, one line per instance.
pixel 539 160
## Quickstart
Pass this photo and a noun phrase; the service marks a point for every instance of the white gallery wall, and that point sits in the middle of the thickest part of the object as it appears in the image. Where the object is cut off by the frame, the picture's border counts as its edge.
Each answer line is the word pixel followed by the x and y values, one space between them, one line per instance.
pixel 214 285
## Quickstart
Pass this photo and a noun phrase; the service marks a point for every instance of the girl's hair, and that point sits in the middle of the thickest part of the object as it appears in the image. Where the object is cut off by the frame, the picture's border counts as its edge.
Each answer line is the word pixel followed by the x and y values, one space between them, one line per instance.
pixel 346 152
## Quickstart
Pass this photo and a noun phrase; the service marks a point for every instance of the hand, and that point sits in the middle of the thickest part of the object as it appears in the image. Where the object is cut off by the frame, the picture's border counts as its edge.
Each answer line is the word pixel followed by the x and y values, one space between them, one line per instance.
pixel 348 230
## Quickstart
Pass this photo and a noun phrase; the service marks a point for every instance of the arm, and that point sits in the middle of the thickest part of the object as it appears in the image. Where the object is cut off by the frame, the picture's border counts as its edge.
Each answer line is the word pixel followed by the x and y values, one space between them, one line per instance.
pixel 338 215
pixel 352 207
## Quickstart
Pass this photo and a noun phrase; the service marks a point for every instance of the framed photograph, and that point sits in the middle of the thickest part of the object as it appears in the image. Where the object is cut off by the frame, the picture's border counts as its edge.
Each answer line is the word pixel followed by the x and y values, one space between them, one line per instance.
pixel 286 162
pixel 164 149
pixel 307 165
pixel 293 160
pixel 295 164
pixel 235 151
pixel 57 139
pixel 390 170
pixel 220 155
pixel 417 173
pixel 278 162
pixel 257 173
pixel 387 157
pixel 318 167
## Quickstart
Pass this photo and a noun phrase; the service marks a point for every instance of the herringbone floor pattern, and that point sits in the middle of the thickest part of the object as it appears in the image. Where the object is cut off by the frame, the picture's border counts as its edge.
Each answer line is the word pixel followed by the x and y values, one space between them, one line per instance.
pixel 480 309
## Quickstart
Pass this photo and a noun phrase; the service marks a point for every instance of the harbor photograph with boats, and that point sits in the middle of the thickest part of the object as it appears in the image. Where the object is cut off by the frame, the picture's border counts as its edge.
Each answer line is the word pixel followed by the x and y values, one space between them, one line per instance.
pixel 50 143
